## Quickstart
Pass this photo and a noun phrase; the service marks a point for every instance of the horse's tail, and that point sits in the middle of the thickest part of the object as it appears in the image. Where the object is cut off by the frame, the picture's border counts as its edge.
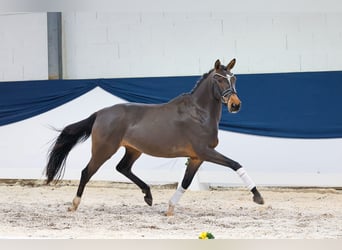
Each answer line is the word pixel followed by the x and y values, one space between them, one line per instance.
pixel 69 137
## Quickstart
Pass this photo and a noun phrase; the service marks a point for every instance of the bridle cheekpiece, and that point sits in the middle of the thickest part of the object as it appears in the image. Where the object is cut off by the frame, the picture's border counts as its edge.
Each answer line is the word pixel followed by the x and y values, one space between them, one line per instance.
pixel 229 91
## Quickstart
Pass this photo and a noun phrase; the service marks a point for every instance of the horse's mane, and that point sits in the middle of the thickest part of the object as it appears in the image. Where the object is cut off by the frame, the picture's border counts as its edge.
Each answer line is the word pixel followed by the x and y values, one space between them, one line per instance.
pixel 198 83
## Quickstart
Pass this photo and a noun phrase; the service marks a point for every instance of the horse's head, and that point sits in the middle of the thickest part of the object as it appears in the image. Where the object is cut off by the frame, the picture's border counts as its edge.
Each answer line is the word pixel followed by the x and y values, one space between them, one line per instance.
pixel 224 85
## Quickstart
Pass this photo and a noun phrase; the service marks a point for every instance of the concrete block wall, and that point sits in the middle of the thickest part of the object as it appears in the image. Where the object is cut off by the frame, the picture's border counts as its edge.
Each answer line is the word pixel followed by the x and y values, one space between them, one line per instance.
pixel 23 46
pixel 130 44
pixel 104 44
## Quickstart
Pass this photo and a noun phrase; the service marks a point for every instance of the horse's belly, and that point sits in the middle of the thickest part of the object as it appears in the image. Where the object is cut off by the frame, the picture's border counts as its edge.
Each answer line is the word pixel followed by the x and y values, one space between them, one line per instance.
pixel 159 145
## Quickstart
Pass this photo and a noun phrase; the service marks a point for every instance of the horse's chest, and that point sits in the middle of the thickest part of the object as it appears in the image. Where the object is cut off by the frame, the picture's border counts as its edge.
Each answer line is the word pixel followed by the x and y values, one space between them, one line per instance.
pixel 214 143
pixel 207 135
pixel 213 138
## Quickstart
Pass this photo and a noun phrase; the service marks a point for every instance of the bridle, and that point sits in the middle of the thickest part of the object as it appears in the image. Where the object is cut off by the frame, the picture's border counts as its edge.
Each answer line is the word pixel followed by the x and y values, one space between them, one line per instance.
pixel 229 91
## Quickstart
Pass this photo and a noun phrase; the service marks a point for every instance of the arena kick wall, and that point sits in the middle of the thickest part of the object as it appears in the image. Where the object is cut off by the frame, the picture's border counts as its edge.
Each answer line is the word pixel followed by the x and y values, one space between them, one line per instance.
pixel 132 44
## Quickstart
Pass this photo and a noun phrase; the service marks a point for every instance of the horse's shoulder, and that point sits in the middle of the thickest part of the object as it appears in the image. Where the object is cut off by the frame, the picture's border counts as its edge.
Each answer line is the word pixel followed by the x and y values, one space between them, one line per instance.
pixel 187 109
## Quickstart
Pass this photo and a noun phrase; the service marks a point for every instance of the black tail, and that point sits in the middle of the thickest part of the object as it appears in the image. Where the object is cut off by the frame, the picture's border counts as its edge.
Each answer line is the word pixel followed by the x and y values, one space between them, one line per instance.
pixel 69 137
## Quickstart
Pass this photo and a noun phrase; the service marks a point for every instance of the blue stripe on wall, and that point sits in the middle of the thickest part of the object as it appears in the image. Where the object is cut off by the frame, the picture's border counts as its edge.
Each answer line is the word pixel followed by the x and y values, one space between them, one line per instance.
pixel 290 105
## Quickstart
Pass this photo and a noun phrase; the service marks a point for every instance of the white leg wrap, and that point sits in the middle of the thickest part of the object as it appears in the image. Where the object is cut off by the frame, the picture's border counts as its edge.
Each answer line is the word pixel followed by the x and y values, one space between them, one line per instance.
pixel 246 179
pixel 176 196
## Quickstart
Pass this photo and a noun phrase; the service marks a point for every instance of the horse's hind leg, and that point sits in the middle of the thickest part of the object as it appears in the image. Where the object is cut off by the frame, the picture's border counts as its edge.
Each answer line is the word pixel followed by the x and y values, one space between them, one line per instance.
pixel 99 156
pixel 125 167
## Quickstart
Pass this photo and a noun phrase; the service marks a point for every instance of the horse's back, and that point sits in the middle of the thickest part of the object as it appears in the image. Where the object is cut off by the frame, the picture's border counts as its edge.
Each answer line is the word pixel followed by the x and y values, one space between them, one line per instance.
pixel 149 128
pixel 118 116
pixel 117 119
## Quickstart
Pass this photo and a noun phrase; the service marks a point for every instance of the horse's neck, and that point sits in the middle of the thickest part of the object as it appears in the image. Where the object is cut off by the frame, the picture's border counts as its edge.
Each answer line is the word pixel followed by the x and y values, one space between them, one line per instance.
pixel 204 98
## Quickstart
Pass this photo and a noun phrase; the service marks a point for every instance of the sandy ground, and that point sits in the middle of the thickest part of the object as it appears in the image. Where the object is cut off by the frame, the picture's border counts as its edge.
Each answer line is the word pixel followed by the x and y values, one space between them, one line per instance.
pixel 118 211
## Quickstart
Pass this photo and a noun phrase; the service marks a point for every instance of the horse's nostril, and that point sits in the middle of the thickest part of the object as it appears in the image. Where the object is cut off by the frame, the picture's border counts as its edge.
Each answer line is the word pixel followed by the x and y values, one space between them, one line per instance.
pixel 235 106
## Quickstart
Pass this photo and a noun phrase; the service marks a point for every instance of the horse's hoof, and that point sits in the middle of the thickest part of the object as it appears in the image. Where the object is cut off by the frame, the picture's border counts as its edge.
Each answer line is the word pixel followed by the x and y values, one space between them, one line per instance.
pixel 148 200
pixel 71 209
pixel 148 197
pixel 75 203
pixel 258 199
pixel 170 211
pixel 168 214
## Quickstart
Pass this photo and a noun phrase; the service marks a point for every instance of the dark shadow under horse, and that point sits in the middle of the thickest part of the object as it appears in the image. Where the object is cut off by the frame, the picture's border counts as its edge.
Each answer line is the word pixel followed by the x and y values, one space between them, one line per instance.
pixel 187 126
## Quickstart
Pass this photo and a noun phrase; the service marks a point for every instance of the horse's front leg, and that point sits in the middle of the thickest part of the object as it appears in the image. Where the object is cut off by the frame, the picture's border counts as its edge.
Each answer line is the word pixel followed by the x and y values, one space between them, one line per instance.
pixel 192 167
pixel 215 157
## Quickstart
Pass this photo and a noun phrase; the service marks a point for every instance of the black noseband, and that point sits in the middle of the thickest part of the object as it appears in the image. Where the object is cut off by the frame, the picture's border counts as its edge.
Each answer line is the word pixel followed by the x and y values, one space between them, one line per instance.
pixel 227 93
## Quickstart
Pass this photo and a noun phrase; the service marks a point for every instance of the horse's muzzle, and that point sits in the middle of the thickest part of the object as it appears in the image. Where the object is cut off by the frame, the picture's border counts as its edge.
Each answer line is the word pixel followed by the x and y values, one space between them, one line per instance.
pixel 234 103
pixel 234 108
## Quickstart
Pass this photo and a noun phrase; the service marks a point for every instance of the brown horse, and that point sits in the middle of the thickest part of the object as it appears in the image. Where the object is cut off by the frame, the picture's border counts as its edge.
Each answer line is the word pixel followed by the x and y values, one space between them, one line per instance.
pixel 187 126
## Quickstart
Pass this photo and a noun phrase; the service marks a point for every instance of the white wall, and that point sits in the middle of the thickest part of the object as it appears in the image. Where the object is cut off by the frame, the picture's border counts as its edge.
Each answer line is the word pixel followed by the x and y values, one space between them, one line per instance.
pixel 23 46
pixel 127 44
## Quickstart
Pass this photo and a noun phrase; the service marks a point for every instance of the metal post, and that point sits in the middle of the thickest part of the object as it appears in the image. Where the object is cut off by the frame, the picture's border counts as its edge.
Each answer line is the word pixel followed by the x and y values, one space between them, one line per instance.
pixel 54 27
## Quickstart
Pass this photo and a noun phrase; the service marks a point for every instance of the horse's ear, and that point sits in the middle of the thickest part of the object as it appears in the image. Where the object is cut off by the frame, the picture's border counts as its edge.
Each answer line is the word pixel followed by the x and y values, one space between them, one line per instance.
pixel 217 64
pixel 231 64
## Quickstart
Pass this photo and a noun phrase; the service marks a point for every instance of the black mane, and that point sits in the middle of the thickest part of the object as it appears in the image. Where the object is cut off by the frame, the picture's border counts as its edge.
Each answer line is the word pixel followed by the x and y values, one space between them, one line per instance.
pixel 198 83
